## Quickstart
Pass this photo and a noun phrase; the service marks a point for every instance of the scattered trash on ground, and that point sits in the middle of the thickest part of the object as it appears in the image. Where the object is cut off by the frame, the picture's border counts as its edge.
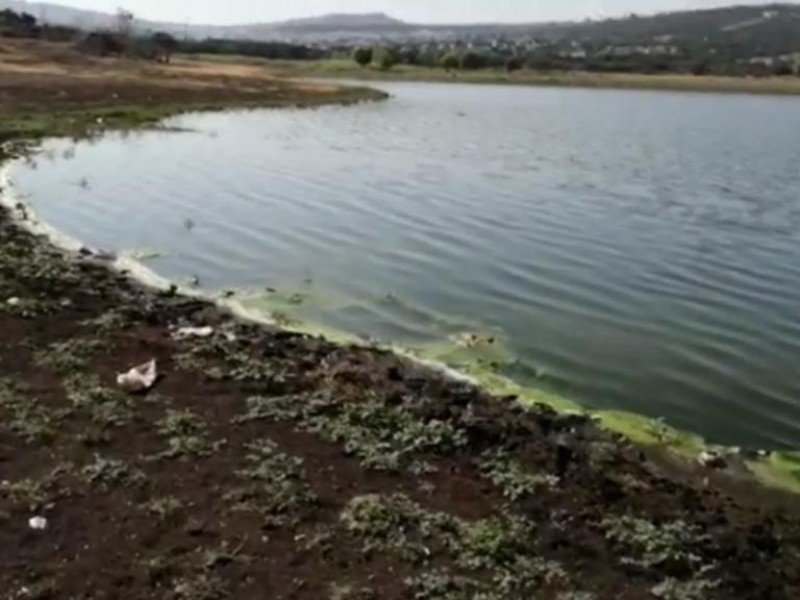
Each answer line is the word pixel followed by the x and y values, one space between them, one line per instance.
pixel 712 460
pixel 193 332
pixel 139 379
pixel 94 254
pixel 471 340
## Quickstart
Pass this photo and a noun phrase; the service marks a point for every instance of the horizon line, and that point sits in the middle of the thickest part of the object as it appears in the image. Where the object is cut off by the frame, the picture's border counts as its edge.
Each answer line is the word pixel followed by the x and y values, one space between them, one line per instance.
pixel 434 23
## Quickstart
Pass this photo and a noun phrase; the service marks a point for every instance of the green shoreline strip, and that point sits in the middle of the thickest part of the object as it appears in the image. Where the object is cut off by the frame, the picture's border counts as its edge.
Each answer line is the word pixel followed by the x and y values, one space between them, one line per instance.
pixel 778 469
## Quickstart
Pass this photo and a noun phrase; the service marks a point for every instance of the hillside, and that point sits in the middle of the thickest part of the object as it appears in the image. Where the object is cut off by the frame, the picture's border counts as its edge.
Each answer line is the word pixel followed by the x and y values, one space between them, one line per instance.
pixel 365 20
pixel 759 24
pixel 767 26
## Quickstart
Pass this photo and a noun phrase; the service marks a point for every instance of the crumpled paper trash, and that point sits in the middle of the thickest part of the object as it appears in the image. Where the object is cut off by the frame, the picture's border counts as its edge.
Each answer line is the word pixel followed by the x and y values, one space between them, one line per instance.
pixel 139 379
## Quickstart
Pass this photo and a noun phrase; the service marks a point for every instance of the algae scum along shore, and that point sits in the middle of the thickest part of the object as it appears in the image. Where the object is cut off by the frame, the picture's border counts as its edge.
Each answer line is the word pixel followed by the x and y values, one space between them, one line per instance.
pixel 272 463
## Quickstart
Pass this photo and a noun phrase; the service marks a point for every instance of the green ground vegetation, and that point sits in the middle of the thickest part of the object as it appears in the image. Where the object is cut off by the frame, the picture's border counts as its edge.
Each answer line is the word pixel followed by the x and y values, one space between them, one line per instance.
pixel 348 69
pixel 96 120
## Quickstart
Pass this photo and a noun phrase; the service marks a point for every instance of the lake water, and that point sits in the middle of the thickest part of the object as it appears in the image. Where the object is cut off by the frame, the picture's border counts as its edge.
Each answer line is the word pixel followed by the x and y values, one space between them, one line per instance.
pixel 630 250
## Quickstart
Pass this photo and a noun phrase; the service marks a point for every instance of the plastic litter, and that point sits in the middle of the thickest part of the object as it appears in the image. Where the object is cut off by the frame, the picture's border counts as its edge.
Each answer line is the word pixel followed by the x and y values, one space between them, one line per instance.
pixel 139 379
pixel 712 460
pixel 193 332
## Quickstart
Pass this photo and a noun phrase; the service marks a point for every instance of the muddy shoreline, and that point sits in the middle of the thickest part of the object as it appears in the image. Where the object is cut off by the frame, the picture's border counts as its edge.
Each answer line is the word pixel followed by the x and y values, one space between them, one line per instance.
pixel 461 358
pixel 277 463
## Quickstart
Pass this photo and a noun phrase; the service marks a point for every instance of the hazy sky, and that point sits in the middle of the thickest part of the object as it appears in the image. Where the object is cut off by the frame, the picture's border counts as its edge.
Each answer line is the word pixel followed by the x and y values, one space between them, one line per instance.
pixel 241 11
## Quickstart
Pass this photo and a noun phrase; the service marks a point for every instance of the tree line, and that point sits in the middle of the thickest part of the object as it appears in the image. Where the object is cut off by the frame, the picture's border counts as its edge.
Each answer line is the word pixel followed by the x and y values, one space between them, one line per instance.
pixel 385 58
pixel 121 38
pixel 686 60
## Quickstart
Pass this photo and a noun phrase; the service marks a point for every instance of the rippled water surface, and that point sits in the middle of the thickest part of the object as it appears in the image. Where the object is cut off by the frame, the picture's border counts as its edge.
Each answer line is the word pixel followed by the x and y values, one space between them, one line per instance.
pixel 634 250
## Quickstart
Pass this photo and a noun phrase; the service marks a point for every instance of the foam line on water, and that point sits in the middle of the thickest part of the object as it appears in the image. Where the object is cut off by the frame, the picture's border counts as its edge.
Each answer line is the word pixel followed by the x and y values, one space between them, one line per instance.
pixel 25 216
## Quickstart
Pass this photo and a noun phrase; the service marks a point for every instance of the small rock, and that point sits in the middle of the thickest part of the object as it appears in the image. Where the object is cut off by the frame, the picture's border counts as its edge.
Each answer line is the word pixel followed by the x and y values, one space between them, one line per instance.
pixel 105 255
pixel 751 454
pixel 195 527
pixel 712 460
pixel 13 301
pixel 37 523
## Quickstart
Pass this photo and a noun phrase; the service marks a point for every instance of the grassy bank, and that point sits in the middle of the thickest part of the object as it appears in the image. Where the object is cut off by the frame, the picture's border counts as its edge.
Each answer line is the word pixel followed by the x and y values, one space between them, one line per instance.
pixel 274 464
pixel 46 122
pixel 347 69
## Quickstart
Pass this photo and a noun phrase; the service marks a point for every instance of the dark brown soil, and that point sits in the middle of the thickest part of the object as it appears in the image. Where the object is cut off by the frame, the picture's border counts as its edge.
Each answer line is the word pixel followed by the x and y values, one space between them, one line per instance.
pixel 380 479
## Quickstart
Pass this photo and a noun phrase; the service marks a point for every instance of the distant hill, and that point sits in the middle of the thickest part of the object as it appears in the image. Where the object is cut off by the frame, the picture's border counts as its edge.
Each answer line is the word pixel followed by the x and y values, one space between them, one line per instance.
pixel 313 27
pixel 59 14
pixel 767 28
pixel 698 24
pixel 344 20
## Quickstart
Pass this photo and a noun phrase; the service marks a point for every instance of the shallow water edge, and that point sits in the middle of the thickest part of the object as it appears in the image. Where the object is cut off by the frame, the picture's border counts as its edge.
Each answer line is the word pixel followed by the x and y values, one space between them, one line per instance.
pixel 778 469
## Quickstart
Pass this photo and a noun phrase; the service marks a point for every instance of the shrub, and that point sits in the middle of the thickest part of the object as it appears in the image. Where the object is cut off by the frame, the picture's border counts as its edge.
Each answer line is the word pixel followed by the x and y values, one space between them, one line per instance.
pixel 385 58
pixel 165 46
pixel 450 62
pixel 514 63
pixel 471 61
pixel 701 67
pixel 362 56
pixel 410 56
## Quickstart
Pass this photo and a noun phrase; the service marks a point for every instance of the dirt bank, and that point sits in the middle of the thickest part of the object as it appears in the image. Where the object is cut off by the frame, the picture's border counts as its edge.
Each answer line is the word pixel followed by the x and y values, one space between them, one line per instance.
pixel 268 464
pixel 48 89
